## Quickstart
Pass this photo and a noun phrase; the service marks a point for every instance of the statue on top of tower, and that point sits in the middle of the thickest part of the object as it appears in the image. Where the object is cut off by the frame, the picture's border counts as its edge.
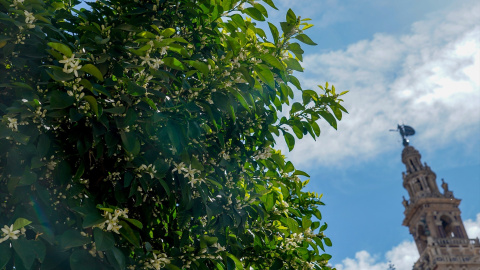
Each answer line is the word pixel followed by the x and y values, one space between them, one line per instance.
pixel 404 132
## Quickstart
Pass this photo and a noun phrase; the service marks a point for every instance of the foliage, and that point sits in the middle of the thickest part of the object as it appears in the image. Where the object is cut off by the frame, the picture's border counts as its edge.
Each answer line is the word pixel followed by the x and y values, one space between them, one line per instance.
pixel 139 134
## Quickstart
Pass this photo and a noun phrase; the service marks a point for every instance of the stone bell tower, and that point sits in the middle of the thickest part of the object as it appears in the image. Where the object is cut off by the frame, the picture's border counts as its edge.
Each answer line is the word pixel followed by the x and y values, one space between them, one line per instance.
pixel 433 217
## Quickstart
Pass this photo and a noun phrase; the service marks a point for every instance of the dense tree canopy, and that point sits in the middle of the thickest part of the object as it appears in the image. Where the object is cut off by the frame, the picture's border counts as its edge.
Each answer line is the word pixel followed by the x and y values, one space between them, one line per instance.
pixel 140 135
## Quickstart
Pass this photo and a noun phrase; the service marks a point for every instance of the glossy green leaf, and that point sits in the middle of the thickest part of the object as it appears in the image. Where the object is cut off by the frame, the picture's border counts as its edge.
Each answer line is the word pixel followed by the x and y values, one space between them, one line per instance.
pixel 5 253
pixel 293 64
pixel 135 222
pixel 272 60
pixel 266 76
pixel 254 13
pixel 129 234
pixel 103 240
pixel 291 17
pixel 238 263
pixel 64 49
pixel 329 118
pixel 92 70
pixel 174 63
pixel 290 140
pixel 93 103
pixel 270 3
pixel 327 241
pixel 20 223
pixel 73 238
pixel 305 39
pixel 116 257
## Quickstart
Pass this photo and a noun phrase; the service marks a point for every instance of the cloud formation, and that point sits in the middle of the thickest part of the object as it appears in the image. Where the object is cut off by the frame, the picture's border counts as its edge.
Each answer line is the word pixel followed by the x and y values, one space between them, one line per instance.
pixel 429 78
pixel 473 227
pixel 402 256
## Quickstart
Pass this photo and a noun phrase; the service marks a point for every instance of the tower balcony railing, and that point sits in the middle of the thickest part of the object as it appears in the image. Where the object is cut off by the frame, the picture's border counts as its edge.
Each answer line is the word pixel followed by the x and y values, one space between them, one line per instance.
pixel 456 241
pixel 427 262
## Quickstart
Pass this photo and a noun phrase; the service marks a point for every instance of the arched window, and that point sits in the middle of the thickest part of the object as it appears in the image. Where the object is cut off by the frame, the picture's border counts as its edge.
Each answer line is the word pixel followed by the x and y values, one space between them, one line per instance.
pixel 413 166
pixel 447 227
pixel 419 185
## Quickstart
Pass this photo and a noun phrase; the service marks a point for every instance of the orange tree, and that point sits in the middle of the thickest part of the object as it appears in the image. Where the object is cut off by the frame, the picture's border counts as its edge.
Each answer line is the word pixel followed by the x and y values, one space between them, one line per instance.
pixel 140 135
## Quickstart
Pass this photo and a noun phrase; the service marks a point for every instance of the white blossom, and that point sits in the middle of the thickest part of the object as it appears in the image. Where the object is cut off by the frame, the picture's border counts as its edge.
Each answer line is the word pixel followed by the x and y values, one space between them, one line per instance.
pixel 180 167
pixel 12 123
pixel 71 64
pixel 29 19
pixel 158 261
pixel 9 233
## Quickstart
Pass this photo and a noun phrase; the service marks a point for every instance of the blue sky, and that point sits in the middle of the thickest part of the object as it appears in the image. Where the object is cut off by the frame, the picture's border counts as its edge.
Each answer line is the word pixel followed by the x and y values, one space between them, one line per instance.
pixel 412 62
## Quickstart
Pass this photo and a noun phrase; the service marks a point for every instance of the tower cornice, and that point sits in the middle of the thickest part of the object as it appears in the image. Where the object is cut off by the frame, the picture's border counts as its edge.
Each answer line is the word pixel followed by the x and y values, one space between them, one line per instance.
pixel 415 208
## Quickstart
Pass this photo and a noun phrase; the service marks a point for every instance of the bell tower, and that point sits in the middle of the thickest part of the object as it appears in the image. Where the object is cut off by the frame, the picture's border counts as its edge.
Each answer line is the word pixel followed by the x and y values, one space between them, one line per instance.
pixel 433 217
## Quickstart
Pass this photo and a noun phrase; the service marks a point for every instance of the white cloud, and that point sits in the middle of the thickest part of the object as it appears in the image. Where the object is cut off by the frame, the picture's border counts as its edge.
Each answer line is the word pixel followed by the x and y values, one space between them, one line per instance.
pixel 473 227
pixel 430 79
pixel 402 257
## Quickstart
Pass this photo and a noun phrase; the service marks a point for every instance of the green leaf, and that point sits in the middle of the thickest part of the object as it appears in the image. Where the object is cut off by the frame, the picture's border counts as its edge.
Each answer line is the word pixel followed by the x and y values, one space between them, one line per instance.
pixel 43 145
pixel 20 223
pixel 306 222
pixel 238 263
pixel 103 240
pixel 135 223
pixel 240 98
pixel 315 128
pixel 254 13
pixel 28 178
pixel 291 224
pixel 129 234
pixel 296 107
pixel 25 251
pixel 305 39
pixel 116 258
pixel 329 118
pixel 73 238
pixel 92 70
pixel 174 63
pixel 327 241
pixel 295 82
pixel 274 31
pixel 61 48
pixel 324 227
pixel 5 253
pixel 293 64
pixel 298 172
pixel 200 66
pixel 93 104
pixel 290 140
pixel 265 75
pixel 60 100
pixel 291 17
pixel 135 90
pixel 28 250
pixel 296 49
pixel 270 3
pixel 22 85
pixel 325 257
pixel 272 60
pixel 168 32
pixel 130 141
